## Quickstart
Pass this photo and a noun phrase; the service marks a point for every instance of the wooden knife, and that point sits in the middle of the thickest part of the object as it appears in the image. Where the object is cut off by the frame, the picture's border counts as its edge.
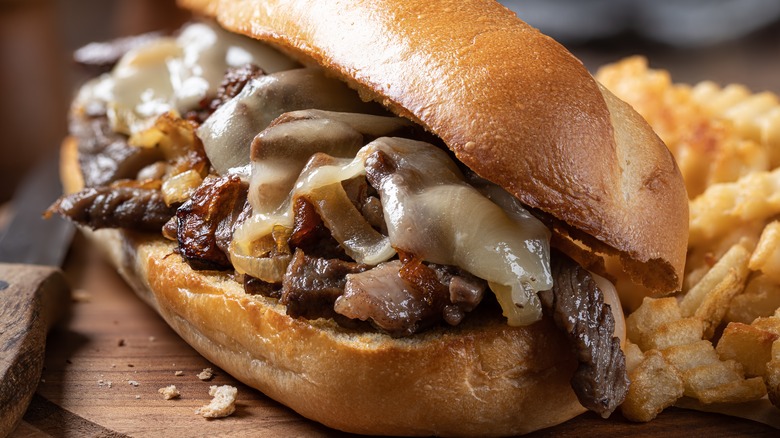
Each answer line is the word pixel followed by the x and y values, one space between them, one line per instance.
pixel 33 291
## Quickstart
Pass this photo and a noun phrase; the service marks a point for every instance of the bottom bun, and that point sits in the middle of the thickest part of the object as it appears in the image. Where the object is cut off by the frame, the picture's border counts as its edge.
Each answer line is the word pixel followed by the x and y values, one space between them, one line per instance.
pixel 480 378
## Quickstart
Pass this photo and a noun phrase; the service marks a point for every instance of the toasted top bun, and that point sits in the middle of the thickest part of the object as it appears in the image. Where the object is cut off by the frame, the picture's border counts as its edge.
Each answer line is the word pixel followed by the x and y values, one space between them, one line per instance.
pixel 512 104
pixel 481 378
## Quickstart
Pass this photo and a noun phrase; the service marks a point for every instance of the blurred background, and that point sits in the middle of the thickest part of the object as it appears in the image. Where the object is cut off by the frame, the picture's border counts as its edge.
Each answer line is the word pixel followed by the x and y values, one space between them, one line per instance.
pixel 725 41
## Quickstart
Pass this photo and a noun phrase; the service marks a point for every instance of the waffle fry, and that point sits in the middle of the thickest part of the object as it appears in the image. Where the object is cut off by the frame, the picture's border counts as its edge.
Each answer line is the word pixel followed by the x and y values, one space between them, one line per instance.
pixel 759 299
pixel 755 197
pixel 726 141
pixel 772 376
pixel 688 364
pixel 766 256
pixel 754 116
pixel 748 345
pixel 709 299
pixel 655 385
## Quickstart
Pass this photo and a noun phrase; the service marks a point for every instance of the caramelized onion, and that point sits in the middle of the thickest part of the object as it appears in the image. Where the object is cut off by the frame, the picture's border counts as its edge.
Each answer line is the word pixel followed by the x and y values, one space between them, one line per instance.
pixel 348 226
pixel 254 228
pixel 518 305
pixel 305 150
pixel 266 259
pixel 180 187
pixel 268 269
pixel 321 170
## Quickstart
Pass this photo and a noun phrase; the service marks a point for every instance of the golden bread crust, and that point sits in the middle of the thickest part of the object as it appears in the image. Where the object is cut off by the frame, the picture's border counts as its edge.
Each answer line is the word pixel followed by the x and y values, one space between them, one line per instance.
pixel 483 378
pixel 511 103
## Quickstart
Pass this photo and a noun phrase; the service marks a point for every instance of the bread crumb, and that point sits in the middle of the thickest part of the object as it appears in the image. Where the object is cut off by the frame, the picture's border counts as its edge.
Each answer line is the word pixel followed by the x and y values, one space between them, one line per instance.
pixel 223 403
pixel 206 374
pixel 178 373
pixel 169 392
pixel 133 382
pixel 138 397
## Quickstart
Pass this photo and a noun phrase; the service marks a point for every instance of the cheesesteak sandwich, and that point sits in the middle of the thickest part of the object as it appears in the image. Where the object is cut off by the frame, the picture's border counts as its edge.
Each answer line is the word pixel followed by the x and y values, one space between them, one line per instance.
pixel 394 217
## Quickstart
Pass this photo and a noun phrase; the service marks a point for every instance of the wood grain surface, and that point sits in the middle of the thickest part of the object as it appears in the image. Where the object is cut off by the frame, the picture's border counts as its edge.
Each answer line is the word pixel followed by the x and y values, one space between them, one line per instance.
pixel 30 300
pixel 112 340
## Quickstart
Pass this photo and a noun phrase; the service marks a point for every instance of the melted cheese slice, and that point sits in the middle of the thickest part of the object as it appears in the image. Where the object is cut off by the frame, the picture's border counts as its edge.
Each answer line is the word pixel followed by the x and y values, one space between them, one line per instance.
pixel 174 74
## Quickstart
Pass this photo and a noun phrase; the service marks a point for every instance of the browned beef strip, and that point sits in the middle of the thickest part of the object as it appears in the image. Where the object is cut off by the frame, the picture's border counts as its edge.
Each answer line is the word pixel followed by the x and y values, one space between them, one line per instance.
pixel 366 201
pixel 465 291
pixel 199 218
pixel 116 207
pixel 405 297
pixel 372 211
pixel 311 284
pixel 255 286
pixel 577 306
pixel 311 235
pixel 232 83
pixel 382 297
pixel 391 303
pixel 242 210
pixel 307 226
pixel 105 156
pixel 378 167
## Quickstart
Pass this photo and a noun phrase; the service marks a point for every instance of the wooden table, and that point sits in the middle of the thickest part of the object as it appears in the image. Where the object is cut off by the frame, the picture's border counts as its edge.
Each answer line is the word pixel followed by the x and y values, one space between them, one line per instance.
pixel 112 339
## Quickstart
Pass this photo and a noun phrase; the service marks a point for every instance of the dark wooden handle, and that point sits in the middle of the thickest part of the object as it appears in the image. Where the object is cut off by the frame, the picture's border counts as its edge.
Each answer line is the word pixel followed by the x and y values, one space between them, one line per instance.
pixel 32 298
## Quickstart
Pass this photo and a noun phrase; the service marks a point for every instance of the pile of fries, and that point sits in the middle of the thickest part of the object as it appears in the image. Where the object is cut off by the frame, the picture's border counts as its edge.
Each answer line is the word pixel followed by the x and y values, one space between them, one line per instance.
pixel 718 341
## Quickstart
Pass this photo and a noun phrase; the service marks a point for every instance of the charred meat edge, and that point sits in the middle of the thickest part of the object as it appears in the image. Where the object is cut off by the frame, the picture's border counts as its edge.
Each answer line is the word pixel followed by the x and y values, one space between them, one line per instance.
pixel 578 308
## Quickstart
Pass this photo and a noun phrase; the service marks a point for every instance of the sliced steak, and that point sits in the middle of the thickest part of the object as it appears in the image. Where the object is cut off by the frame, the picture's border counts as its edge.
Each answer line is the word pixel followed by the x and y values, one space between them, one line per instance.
pixel 199 219
pixel 105 156
pixel 578 307
pixel 403 298
pixel 311 235
pixel 311 285
pixel 116 207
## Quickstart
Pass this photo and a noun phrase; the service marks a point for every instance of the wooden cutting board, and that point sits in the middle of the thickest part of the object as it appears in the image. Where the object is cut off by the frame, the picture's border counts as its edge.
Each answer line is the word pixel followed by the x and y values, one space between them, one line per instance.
pixel 105 364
